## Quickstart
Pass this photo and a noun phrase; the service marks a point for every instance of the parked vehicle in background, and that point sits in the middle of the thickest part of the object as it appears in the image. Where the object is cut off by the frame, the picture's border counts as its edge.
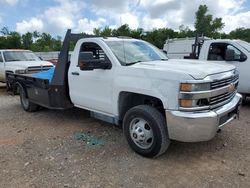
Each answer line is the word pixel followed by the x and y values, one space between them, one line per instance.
pixel 21 62
pixel 53 61
pixel 233 52
pixel 50 56
pixel 131 82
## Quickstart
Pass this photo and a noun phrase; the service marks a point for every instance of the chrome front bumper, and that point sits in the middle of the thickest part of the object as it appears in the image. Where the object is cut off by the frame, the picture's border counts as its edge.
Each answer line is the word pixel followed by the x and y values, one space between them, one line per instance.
pixel 201 126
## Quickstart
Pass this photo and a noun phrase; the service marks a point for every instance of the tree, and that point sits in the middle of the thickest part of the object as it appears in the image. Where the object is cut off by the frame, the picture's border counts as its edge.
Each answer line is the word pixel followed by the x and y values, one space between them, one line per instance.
pixel 123 30
pixel 185 31
pixel 5 31
pixel 106 32
pixel 158 37
pixel 240 33
pixel 97 31
pixel 13 40
pixel 27 40
pixel 137 33
pixel 205 24
pixel 36 34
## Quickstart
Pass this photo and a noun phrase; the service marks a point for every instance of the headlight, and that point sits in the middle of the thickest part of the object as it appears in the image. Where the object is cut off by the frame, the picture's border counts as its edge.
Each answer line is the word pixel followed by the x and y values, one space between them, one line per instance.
pixel 189 91
pixel 188 87
pixel 20 71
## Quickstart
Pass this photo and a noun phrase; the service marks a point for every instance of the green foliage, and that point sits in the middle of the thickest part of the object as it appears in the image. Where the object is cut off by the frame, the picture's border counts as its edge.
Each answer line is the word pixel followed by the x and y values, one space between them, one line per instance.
pixel 106 32
pixel 159 36
pixel 31 41
pixel 205 24
pixel 12 40
pixel 123 30
pixel 27 40
pixel 240 33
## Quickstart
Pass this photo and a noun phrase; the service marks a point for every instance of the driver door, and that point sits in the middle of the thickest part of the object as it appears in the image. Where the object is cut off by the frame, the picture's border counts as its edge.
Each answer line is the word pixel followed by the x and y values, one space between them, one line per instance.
pixel 92 89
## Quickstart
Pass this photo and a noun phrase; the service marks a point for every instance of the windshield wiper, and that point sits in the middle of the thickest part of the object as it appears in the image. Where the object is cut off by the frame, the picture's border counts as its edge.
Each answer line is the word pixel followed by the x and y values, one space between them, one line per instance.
pixel 132 63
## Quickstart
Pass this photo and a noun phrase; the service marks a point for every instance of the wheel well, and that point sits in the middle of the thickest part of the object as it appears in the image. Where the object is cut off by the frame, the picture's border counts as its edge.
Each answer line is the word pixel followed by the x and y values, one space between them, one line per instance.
pixel 17 87
pixel 128 100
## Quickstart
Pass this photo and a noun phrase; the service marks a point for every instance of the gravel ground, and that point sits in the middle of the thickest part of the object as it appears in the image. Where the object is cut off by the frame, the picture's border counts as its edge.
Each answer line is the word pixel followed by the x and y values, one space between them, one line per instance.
pixel 40 150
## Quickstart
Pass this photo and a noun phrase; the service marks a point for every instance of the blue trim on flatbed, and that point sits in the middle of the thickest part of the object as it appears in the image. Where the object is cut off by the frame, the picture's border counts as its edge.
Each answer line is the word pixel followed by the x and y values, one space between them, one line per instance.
pixel 46 75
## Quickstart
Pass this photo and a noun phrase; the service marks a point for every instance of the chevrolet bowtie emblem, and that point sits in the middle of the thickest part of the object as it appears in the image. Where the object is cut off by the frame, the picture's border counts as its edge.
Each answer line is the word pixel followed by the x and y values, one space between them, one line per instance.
pixel 231 87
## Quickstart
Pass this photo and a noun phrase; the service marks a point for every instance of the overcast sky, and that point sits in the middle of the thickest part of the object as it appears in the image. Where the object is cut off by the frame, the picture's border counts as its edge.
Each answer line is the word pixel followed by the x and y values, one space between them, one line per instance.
pixel 55 16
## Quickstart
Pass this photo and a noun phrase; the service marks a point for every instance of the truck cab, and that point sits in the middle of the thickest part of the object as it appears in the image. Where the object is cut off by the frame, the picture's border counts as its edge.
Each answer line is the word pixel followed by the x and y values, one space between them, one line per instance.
pixel 21 62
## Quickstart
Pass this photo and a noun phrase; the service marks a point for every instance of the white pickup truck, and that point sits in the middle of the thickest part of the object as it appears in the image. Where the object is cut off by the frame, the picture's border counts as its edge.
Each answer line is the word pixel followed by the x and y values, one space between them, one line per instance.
pixel 21 62
pixel 233 52
pixel 130 82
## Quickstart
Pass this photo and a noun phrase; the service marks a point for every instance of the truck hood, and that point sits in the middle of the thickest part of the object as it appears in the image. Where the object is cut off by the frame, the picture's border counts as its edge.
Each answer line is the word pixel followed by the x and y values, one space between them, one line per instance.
pixel 26 64
pixel 195 68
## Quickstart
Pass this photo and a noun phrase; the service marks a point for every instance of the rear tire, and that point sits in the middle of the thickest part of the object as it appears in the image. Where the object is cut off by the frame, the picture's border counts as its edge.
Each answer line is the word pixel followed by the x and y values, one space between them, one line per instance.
pixel 146 131
pixel 26 104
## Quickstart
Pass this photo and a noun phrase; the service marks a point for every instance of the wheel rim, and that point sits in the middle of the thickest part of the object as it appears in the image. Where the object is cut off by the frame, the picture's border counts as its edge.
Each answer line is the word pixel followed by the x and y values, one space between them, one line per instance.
pixel 141 133
pixel 25 100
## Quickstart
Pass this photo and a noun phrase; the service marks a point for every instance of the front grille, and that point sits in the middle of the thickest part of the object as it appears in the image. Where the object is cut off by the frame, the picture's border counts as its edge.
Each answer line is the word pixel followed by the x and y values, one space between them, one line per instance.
pixel 224 82
pixel 31 70
pixel 221 99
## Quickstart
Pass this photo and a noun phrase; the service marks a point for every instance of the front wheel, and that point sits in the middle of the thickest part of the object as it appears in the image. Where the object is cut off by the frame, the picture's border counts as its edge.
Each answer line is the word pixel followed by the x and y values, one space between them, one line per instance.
pixel 146 131
pixel 26 104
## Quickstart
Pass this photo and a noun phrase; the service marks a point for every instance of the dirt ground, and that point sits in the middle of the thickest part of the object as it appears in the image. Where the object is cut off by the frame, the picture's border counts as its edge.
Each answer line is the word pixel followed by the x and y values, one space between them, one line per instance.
pixel 41 150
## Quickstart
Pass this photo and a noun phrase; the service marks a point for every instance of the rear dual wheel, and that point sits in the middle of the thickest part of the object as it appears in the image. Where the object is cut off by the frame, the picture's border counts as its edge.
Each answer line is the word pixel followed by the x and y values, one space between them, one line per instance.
pixel 146 131
pixel 26 104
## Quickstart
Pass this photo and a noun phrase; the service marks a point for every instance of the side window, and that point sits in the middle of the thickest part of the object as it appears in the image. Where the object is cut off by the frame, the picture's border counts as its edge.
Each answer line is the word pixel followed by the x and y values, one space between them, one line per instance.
pixel 92 51
pixel 216 52
pixel 237 52
pixel 1 57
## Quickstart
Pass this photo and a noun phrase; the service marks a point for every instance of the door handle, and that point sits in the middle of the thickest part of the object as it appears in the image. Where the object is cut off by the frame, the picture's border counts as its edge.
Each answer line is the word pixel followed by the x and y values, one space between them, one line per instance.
pixel 75 73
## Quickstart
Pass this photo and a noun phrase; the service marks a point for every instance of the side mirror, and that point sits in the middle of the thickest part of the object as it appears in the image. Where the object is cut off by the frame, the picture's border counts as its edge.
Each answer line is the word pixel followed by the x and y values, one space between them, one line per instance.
pixel 230 55
pixel 86 65
pixel 243 57
pixel 165 52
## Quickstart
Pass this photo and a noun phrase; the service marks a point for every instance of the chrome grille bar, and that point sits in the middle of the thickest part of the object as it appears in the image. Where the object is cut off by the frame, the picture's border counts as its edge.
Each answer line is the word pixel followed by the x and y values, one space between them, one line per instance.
pixel 224 82
pixel 220 98
pixel 35 69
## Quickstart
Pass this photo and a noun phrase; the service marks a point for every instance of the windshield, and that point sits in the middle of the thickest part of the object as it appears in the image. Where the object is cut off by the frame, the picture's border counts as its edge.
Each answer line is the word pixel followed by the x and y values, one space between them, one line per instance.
pixel 244 44
pixel 132 51
pixel 20 56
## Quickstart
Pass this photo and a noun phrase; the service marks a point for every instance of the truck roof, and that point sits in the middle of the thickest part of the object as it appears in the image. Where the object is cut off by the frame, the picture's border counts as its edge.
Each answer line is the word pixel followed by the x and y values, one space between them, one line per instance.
pixel 186 39
pixel 225 40
pixel 112 38
pixel 118 39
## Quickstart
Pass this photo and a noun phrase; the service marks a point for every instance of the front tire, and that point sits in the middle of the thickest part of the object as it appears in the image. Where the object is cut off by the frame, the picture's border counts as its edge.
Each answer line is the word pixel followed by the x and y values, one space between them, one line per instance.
pixel 26 104
pixel 146 131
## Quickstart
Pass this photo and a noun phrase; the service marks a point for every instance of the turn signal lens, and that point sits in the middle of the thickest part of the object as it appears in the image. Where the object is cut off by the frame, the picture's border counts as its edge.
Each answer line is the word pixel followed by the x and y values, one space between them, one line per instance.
pixel 186 103
pixel 186 87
